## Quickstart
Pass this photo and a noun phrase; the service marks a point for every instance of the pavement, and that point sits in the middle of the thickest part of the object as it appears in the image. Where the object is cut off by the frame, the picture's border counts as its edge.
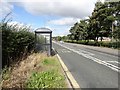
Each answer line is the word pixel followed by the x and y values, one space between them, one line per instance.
pixel 90 68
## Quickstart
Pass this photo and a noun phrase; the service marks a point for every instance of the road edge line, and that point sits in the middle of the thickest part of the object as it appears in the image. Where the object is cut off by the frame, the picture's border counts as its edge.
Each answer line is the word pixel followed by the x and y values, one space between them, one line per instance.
pixel 69 76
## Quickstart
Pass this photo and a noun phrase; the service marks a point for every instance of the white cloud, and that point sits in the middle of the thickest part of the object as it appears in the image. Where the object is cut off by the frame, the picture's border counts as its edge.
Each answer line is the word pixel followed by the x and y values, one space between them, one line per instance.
pixel 65 8
pixel 64 21
pixel 68 10
pixel 58 32
pixel 5 8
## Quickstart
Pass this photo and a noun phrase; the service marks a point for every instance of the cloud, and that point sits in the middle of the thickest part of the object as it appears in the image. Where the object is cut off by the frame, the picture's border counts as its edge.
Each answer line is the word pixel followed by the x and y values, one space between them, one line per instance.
pixel 5 8
pixel 68 11
pixel 64 8
pixel 58 32
pixel 64 21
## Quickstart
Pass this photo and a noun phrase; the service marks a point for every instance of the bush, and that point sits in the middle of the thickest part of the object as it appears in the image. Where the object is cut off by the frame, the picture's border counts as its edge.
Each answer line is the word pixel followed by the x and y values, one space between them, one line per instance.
pixel 106 44
pixel 15 43
pixel 92 43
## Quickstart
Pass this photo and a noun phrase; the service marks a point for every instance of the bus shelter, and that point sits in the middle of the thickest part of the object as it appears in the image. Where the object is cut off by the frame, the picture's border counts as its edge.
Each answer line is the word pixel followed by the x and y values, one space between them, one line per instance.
pixel 43 40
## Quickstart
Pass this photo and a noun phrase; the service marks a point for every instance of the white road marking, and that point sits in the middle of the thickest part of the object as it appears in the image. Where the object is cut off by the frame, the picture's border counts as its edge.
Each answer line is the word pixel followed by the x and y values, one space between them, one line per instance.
pixel 86 52
pixel 113 62
pixel 113 67
pixel 64 51
pixel 99 52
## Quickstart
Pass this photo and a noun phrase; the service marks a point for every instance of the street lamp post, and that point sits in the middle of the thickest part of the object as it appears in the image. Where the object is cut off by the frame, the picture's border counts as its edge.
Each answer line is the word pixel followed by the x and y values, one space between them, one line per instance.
pixel 112 30
pixel 114 23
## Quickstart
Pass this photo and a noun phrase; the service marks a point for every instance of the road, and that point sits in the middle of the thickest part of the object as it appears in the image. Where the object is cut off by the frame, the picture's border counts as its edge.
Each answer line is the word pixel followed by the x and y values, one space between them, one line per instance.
pixel 90 68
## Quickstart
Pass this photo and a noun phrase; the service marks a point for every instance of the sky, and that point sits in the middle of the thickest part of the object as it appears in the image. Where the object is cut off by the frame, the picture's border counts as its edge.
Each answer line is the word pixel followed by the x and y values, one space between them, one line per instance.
pixel 57 15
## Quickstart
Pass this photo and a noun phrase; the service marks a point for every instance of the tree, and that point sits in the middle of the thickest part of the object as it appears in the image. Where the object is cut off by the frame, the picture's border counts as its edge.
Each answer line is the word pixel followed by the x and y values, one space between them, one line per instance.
pixel 79 30
pixel 99 23
pixel 103 16
pixel 116 31
pixel 83 29
pixel 74 31
pixel 59 38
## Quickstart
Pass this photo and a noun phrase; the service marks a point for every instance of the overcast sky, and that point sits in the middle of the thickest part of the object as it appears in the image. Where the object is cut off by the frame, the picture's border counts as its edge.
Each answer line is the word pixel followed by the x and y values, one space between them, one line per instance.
pixel 58 15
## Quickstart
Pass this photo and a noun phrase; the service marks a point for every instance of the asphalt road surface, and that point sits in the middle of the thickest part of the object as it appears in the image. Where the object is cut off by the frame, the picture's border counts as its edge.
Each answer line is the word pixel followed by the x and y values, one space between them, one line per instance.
pixel 90 68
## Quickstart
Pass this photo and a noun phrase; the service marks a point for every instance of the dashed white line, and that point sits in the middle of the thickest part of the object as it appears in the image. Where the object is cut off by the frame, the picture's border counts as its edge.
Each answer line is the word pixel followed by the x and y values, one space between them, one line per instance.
pixel 113 67
pixel 113 62
pixel 86 52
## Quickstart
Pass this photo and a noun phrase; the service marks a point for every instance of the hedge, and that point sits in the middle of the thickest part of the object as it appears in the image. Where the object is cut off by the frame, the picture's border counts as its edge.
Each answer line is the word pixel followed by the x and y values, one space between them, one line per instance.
pixel 16 43
pixel 115 45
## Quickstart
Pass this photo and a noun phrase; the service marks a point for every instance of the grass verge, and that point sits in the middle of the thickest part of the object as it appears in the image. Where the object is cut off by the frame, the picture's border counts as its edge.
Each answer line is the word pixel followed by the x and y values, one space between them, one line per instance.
pixel 37 71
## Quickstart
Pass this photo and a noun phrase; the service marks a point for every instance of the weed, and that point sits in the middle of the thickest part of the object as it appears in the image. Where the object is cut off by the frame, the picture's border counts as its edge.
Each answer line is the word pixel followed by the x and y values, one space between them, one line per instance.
pixel 48 61
pixel 6 73
pixel 48 79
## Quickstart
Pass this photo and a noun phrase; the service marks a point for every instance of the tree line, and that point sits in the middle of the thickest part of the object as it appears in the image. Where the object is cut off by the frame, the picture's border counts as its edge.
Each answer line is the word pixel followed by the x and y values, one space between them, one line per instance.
pixel 104 22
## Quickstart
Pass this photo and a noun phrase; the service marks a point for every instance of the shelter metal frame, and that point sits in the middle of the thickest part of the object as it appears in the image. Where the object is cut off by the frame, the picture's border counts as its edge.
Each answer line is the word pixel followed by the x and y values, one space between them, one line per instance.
pixel 44 32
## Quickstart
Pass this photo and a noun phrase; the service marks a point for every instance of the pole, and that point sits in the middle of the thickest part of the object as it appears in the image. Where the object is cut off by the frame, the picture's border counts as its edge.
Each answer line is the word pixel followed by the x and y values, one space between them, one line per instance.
pixel 35 41
pixel 112 33
pixel 50 43
pixel 112 30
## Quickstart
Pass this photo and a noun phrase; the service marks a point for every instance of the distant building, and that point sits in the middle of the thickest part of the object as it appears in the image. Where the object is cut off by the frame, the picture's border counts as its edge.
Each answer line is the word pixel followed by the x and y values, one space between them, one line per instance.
pixel 104 39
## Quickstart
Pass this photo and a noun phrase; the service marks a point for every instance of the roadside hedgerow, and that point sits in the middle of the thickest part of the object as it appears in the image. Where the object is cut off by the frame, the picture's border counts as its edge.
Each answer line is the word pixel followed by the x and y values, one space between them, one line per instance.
pixel 17 42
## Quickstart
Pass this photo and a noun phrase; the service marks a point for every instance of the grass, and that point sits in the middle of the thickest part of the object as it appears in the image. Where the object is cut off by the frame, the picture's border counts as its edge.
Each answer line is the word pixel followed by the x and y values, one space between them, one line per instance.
pixel 47 79
pixel 36 71
pixel 50 77
pixel 49 61
pixel 6 73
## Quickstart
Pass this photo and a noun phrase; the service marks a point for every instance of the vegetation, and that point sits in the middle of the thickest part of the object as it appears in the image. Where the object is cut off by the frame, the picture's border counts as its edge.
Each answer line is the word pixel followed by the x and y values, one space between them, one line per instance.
pixel 37 71
pixel 16 42
pixel 100 24
pixel 104 22
pixel 22 68
pixel 49 78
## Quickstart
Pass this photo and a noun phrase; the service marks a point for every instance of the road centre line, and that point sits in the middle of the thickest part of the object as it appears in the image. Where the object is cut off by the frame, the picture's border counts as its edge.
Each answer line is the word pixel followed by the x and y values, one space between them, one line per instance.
pixel 113 67
pixel 83 51
pixel 113 62
pixel 92 49
pixel 86 52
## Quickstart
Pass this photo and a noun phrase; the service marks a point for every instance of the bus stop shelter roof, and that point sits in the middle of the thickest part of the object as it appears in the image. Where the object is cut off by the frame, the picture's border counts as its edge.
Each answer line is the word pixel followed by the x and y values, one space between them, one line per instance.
pixel 43 30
